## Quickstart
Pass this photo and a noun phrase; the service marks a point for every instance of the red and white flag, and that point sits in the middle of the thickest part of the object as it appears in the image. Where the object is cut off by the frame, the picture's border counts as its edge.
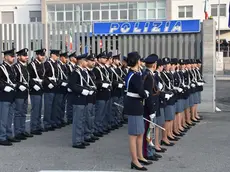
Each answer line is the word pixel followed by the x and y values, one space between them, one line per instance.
pixel 206 6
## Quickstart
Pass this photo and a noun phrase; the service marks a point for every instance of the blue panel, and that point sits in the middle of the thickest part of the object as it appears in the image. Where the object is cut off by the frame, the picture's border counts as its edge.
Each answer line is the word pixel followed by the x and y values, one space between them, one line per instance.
pixel 147 27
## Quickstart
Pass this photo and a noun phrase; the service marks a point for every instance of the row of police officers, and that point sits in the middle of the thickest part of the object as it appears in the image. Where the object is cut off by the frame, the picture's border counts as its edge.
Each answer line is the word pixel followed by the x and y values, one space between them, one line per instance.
pixel 165 91
pixel 82 90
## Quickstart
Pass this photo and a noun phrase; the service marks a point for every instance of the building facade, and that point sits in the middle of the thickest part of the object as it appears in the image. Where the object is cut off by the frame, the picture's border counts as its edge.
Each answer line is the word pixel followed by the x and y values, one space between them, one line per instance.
pixel 93 11
pixel 188 9
pixel 20 11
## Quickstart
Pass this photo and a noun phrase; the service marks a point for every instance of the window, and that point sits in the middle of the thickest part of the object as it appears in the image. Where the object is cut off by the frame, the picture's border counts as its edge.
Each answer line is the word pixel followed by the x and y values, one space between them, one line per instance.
pixel 185 12
pixel 104 6
pixel 86 6
pixel 123 5
pixel 132 14
pixel 123 14
pixel 105 15
pixel 114 15
pixel 68 7
pixel 214 10
pixel 96 6
pixel 35 16
pixel 113 6
pixel 7 17
pixel 60 16
pixel 87 15
pixel 161 14
pixel 96 15
pixel 51 7
pixel 59 7
pixel 51 16
pixel 69 16
pixel 151 14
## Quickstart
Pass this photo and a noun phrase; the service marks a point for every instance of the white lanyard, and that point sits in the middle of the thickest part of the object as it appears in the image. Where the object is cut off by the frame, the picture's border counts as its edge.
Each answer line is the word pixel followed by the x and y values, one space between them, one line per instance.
pixel 62 72
pixel 7 75
pixel 170 85
pixel 22 78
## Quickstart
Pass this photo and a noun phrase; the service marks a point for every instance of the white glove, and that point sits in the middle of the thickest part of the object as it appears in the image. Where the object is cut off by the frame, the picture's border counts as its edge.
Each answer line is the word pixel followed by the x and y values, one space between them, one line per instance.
pixel 152 116
pixel 69 90
pixel 193 85
pixel 36 87
pixel 180 90
pixel 167 96
pixel 85 92
pixel 51 86
pixel 202 84
pixel 64 84
pixel 146 92
pixel 22 88
pixel 160 86
pixel 105 85
pixel 8 89
pixel 120 85
pixel 91 92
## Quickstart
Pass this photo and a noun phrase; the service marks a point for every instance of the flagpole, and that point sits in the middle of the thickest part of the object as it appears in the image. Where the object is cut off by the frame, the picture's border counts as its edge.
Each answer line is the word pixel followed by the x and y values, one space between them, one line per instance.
pixel 218 28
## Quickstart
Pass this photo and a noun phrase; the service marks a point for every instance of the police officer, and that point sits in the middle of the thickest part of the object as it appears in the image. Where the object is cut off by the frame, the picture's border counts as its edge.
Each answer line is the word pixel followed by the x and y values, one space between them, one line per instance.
pixel 60 96
pixel 7 88
pixel 71 66
pixel 103 86
pixel 133 107
pixel 108 118
pixel 169 110
pixel 50 85
pixel 160 120
pixel 116 92
pixel 36 72
pixel 177 85
pixel 150 107
pixel 200 83
pixel 80 91
pixel 91 100
pixel 22 91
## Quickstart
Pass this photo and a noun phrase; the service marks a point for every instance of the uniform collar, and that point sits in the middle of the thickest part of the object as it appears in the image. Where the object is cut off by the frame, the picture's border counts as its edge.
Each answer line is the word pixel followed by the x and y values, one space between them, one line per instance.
pixel 23 64
pixel 52 60
pixel 80 67
pixel 38 61
pixel 7 63
pixel 72 63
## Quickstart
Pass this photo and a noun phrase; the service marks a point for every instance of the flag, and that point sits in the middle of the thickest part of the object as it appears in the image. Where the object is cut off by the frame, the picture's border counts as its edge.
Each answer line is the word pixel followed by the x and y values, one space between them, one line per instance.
pixel 229 15
pixel 206 9
pixel 149 136
pixel 71 41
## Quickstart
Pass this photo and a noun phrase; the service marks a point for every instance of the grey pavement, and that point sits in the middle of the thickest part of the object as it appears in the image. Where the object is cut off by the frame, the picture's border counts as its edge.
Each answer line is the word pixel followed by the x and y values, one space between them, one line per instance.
pixel 223 94
pixel 204 148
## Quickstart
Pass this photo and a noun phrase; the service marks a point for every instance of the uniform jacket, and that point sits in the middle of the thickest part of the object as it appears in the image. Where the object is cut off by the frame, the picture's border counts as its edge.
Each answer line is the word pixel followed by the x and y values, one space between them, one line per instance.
pixel 39 74
pixel 9 70
pixel 134 106
pixel 22 78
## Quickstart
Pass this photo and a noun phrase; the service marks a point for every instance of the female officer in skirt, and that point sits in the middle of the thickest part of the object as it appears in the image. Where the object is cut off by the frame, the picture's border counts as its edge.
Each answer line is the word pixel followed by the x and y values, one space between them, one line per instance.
pixel 133 108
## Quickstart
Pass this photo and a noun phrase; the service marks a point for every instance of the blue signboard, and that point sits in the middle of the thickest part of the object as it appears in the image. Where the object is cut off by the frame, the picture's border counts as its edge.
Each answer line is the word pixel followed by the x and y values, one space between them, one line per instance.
pixel 147 27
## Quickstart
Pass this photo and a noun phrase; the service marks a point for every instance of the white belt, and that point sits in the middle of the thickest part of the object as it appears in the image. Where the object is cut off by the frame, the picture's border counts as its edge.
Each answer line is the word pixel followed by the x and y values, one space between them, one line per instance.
pixel 135 95
pixel 52 79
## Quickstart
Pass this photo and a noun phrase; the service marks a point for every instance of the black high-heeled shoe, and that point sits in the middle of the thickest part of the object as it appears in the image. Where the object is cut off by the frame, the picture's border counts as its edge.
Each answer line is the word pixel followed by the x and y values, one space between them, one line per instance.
pixel 164 149
pixel 145 162
pixel 134 166
pixel 159 150
pixel 166 144
pixel 173 139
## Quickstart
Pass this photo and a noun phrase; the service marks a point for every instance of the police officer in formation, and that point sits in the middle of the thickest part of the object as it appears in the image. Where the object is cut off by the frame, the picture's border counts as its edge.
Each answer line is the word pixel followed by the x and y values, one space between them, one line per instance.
pixel 174 87
pixel 87 90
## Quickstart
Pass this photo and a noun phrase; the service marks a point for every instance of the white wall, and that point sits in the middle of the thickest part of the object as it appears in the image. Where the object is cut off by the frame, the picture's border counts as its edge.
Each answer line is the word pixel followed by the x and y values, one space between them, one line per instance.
pixel 21 9
pixel 198 10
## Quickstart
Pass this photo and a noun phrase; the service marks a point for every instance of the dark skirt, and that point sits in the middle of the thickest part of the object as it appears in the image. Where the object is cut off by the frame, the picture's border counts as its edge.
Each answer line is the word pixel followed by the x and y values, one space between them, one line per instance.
pixel 160 120
pixel 135 125
pixel 191 100
pixel 180 105
pixel 195 98
pixel 199 97
pixel 169 112
pixel 186 103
